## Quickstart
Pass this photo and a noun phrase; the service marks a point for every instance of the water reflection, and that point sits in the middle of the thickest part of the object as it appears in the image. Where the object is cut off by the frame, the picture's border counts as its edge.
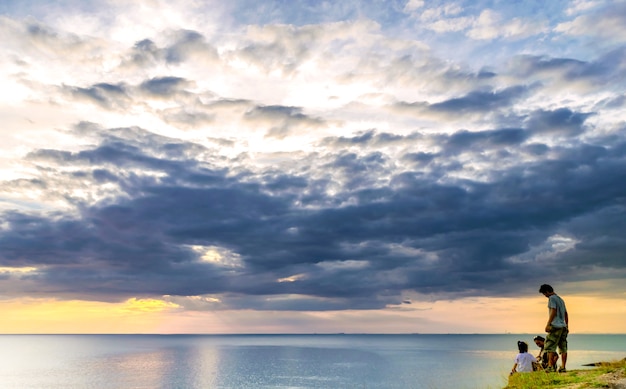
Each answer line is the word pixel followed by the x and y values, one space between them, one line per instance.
pixel 184 365
pixel 189 362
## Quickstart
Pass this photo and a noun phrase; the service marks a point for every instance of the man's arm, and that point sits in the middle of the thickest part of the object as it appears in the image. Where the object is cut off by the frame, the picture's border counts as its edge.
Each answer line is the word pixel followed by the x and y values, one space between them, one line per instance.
pixel 566 319
pixel 551 316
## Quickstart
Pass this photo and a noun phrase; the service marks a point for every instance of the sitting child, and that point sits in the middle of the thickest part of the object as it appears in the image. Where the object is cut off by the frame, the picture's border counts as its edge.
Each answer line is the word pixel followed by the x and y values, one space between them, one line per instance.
pixel 523 361
pixel 542 357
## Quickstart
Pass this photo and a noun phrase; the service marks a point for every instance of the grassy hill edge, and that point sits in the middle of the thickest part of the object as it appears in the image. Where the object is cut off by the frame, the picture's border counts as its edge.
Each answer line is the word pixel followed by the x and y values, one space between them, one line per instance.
pixel 604 375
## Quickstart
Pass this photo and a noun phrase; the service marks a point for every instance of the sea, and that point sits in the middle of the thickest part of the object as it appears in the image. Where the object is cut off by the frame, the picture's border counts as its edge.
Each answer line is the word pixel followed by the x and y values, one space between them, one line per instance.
pixel 448 361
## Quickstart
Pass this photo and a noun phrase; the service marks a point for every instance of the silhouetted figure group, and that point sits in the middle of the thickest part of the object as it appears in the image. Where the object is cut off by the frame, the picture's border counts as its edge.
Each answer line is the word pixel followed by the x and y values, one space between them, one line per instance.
pixel 556 338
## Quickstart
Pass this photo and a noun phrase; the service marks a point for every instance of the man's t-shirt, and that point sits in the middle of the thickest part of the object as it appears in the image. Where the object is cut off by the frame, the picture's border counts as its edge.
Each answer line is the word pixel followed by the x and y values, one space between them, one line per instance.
pixel 556 302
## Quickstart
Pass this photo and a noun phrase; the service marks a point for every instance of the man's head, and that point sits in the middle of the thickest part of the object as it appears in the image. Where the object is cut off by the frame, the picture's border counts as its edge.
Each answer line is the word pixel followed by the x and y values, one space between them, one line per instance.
pixel 546 290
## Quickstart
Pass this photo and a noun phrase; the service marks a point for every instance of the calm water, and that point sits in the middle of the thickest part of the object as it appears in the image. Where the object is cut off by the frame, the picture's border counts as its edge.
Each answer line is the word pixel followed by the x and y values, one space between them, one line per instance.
pixel 274 361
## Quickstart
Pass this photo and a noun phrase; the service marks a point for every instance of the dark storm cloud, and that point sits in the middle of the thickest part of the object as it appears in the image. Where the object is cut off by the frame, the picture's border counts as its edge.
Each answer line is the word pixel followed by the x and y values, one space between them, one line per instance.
pixel 561 121
pixel 416 233
pixel 602 241
pixel 467 140
pixel 352 224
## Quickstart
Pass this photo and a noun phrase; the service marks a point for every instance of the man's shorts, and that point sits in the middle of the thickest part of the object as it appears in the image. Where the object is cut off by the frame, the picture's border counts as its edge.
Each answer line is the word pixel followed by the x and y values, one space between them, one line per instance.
pixel 556 337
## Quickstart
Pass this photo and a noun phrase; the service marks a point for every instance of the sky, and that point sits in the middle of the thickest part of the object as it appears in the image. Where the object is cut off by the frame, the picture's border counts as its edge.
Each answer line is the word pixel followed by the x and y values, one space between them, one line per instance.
pixel 383 166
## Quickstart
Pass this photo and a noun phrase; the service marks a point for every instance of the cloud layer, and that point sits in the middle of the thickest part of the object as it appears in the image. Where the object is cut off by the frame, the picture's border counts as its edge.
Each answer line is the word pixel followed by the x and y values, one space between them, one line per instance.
pixel 295 161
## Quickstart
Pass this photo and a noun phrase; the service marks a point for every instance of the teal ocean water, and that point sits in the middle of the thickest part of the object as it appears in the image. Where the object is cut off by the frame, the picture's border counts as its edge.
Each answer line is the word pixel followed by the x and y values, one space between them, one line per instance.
pixel 275 361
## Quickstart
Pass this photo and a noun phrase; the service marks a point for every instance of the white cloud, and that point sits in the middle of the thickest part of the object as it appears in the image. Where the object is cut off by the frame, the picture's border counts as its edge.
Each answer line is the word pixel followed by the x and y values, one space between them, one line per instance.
pixel 413 5
pixel 450 24
pixel 547 251
pixel 578 6
pixel 609 23
pixel 218 256
pixel 491 25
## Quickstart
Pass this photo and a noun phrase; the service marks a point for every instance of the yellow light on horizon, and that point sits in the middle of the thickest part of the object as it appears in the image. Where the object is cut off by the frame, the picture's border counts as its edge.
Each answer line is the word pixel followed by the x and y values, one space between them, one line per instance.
pixel 25 269
pixel 293 278
pixel 588 314
pixel 37 316
pixel 147 305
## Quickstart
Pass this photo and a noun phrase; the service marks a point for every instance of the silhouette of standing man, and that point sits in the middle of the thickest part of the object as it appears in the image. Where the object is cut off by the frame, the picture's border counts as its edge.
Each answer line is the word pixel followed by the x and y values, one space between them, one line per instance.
pixel 556 328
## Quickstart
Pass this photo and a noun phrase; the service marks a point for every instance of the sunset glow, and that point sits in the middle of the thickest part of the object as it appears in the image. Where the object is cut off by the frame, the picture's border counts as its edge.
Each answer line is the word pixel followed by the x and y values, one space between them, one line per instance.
pixel 360 167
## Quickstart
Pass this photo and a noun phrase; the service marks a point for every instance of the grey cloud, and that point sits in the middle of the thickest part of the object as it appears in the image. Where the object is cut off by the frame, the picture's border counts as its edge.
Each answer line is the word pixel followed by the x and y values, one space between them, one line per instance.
pixel 478 102
pixel 371 138
pixel 104 94
pixel 282 121
pixel 561 121
pixel 47 38
pixel 279 121
pixel 606 70
pixel 358 222
pixel 122 96
pixel 466 140
pixel 184 46
pixel 417 68
pixel 481 101
pixel 186 118
pixel 527 65
pixel 362 249
pixel 164 86
pixel 614 102
pixel 189 45
pixel 350 226
pixel 308 304
pixel 145 52
pixel 420 157
pixel 601 242
pixel 282 47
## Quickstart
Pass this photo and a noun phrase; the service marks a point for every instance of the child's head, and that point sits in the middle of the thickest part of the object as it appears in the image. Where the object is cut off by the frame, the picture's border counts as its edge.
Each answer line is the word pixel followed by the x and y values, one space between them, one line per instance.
pixel 539 340
pixel 522 346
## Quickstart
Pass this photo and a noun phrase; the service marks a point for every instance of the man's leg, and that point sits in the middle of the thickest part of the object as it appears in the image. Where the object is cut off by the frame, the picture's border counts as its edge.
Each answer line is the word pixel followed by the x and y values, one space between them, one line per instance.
pixel 551 361
pixel 550 346
pixel 563 348
pixel 553 358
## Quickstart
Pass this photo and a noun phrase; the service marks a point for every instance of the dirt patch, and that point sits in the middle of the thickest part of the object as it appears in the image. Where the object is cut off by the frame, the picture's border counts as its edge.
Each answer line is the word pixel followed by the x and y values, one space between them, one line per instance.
pixel 613 380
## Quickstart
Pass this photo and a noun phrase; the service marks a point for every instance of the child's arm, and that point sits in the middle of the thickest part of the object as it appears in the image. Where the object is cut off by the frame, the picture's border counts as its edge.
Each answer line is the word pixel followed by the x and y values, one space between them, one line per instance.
pixel 514 367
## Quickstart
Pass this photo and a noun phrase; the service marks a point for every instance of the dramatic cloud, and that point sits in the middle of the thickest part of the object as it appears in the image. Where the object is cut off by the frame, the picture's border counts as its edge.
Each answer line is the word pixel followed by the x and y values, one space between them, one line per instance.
pixel 314 158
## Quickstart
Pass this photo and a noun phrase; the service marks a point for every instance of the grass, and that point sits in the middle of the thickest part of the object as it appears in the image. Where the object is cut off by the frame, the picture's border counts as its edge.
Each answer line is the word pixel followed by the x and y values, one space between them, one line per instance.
pixel 575 379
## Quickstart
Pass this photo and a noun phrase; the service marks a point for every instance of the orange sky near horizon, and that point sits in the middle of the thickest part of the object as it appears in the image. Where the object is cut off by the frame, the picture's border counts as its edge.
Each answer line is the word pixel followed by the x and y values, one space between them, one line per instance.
pixel 153 316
